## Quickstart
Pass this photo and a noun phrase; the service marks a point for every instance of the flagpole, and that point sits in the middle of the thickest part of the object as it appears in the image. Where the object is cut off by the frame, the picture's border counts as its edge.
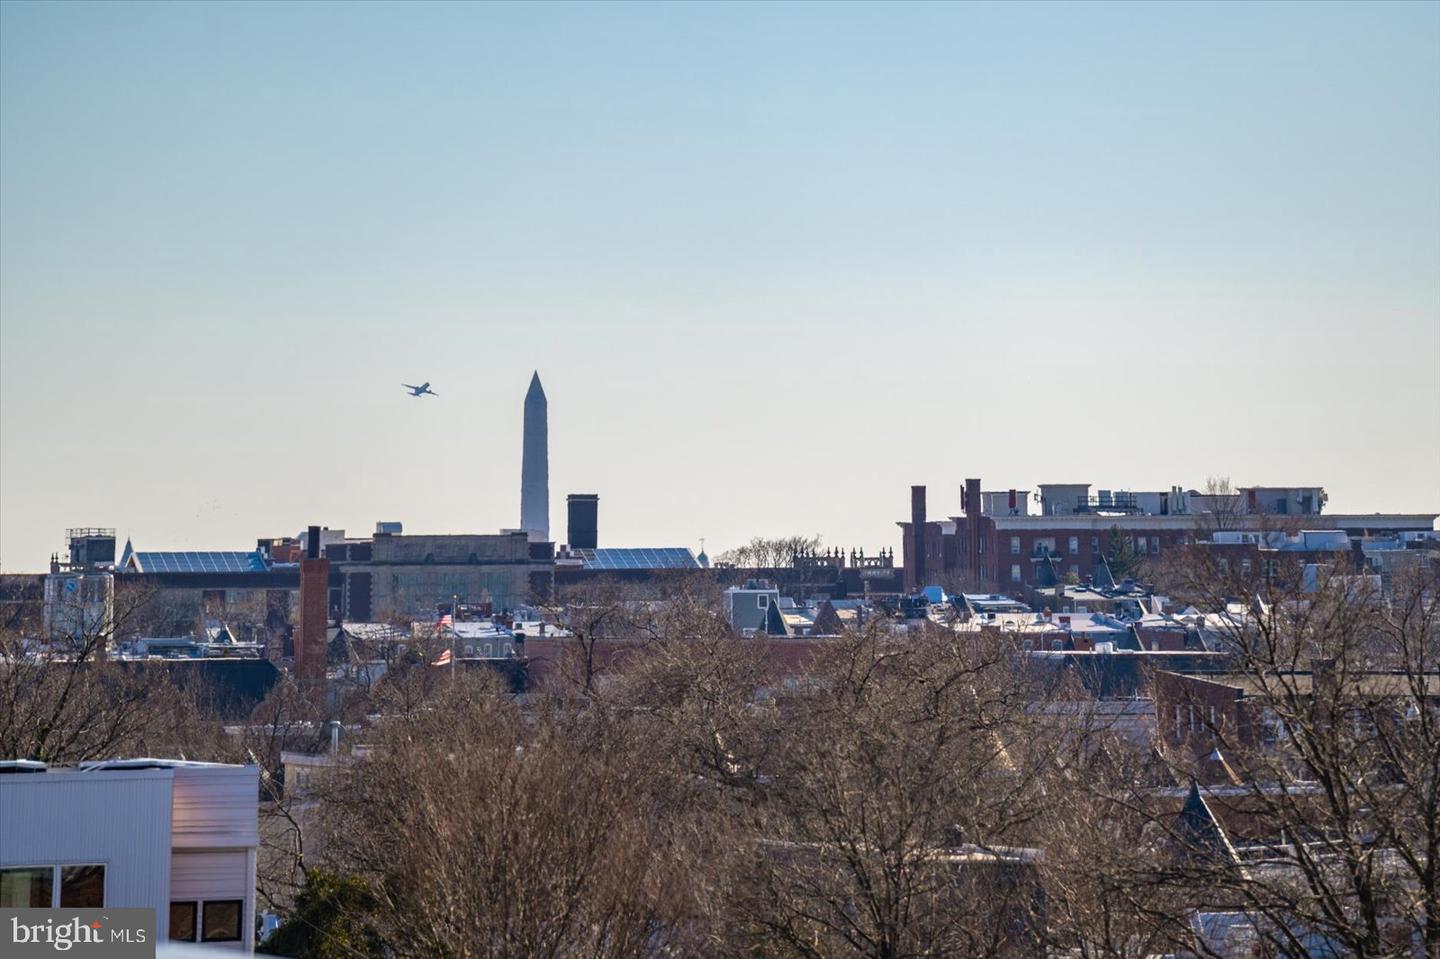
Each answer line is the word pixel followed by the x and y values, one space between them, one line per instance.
pixel 454 617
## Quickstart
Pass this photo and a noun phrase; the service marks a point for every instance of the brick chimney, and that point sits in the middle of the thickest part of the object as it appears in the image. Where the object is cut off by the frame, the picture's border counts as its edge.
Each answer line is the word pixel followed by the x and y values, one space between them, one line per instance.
pixel 972 528
pixel 310 644
pixel 917 536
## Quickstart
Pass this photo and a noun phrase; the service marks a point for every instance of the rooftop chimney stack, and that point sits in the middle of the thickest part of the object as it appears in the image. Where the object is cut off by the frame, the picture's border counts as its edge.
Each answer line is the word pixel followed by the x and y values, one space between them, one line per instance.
pixel 583 511
pixel 917 533
pixel 973 506
pixel 310 643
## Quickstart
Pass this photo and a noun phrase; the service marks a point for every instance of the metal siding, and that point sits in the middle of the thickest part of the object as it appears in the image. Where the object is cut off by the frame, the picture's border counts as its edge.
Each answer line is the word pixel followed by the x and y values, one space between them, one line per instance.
pixel 216 832
pixel 216 807
pixel 209 875
pixel 119 818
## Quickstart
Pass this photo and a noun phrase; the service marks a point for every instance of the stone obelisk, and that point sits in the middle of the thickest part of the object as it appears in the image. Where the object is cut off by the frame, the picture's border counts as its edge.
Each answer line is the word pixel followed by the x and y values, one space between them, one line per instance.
pixel 535 464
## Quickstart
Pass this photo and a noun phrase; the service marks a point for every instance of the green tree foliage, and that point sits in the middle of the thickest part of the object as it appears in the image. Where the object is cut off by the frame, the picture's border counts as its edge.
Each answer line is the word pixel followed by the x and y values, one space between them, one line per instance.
pixel 328 921
pixel 1126 561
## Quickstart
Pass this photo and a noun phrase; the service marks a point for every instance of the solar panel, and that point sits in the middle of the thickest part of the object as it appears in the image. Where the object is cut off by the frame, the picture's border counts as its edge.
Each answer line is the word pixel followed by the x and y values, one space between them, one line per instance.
pixel 669 557
pixel 201 561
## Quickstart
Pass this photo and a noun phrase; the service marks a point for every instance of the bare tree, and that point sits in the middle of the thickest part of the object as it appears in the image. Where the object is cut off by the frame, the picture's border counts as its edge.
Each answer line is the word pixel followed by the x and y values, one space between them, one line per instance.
pixel 66 700
pixel 1336 746
pixel 1224 508
pixel 892 805
pixel 769 552
pixel 478 831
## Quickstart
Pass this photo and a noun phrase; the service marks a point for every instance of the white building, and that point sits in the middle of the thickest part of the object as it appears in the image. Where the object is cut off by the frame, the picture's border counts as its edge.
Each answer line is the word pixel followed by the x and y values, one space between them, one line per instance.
pixel 178 837
pixel 79 606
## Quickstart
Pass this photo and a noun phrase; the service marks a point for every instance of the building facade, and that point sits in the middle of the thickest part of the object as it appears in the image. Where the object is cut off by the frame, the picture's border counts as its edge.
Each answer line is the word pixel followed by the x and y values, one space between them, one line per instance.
pixel 177 837
pixel 980 550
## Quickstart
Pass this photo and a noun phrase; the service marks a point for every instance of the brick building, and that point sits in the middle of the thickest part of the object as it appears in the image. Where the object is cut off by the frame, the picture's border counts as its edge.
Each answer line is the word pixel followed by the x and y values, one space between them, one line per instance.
pixel 997 544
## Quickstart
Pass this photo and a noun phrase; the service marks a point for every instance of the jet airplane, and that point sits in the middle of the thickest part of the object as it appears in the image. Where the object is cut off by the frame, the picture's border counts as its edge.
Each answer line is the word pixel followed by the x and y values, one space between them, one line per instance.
pixel 422 390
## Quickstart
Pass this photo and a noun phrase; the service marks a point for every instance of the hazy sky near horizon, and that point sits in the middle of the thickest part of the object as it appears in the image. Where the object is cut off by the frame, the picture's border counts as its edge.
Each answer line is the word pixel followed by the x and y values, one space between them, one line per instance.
pixel 774 262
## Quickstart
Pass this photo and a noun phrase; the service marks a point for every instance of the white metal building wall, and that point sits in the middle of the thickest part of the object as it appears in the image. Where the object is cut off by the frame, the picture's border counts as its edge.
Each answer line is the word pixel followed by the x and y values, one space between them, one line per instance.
pixel 120 818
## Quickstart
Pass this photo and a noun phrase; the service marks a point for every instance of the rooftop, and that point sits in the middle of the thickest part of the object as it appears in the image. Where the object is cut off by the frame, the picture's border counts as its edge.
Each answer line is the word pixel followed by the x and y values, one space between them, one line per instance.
pixel 215 561
pixel 664 557
pixel 1302 683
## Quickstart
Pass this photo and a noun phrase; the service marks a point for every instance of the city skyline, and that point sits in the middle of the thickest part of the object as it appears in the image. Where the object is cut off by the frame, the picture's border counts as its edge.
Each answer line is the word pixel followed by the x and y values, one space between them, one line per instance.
pixel 776 267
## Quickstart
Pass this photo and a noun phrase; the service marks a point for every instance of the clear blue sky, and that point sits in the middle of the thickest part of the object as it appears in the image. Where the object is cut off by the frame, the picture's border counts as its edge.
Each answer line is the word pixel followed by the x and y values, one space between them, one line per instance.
pixel 773 262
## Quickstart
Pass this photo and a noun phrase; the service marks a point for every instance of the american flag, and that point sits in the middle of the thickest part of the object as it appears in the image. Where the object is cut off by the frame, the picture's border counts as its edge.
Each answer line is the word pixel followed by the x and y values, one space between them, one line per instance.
pixel 443 659
pixel 447 620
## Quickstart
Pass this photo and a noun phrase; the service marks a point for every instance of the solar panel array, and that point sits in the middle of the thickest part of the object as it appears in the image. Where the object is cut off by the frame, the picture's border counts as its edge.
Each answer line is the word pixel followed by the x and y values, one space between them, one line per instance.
pixel 201 562
pixel 667 557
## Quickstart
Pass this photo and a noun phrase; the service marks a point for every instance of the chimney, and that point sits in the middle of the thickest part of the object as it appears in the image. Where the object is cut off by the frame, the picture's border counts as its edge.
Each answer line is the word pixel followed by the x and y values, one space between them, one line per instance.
pixel 973 508
pixel 582 510
pixel 310 644
pixel 917 533
pixel 973 532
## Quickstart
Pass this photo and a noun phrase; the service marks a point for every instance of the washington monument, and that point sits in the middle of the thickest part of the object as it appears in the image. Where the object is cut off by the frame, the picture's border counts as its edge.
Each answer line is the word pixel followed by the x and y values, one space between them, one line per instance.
pixel 535 463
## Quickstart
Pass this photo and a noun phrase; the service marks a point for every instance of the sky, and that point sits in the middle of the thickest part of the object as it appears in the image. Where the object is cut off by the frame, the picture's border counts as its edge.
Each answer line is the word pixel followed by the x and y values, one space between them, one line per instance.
pixel 774 262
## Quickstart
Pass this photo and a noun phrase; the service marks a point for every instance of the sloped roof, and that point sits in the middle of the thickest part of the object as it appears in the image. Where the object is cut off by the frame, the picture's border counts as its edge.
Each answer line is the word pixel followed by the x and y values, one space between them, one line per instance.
pixel 1198 829
pixel 664 557
pixel 201 561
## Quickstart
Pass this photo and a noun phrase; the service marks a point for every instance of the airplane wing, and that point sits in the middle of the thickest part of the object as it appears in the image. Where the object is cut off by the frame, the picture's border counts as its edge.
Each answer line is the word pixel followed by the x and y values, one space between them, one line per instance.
pixel 409 387
pixel 431 393
pixel 424 386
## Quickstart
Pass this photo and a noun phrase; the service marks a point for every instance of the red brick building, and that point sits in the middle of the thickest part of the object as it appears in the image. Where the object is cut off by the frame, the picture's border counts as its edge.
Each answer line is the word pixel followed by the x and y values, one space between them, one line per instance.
pixel 996 544
pixel 999 553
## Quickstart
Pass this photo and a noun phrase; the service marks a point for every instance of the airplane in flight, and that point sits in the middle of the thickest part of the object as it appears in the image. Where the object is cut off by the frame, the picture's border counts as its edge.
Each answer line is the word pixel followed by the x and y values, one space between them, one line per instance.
pixel 422 390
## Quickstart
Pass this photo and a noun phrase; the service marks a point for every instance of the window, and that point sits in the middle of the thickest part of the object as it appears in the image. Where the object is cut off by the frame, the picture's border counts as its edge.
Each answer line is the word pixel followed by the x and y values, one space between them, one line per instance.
pixel 1224 566
pixel 1245 567
pixel 1074 545
pixel 762 601
pixel 1154 545
pixel 82 887
pixel 182 920
pixel 1094 544
pixel 28 888
pixel 48 887
pixel 1014 546
pixel 221 920
pixel 1015 573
